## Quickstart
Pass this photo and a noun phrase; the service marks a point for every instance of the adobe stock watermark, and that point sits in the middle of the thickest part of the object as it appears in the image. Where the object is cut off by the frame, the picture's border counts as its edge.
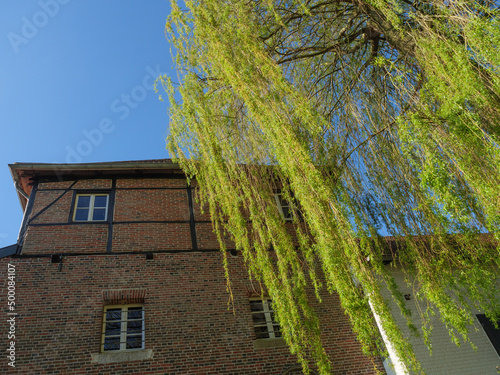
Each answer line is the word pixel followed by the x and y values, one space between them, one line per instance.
pixel 122 107
pixel 11 314
pixel 31 25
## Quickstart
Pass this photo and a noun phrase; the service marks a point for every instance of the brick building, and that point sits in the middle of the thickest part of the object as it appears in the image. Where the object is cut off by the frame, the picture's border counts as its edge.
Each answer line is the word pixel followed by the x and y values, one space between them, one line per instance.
pixel 117 271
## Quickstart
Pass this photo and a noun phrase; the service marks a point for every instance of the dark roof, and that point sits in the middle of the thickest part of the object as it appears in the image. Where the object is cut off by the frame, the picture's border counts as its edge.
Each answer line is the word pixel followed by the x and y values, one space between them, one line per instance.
pixel 8 250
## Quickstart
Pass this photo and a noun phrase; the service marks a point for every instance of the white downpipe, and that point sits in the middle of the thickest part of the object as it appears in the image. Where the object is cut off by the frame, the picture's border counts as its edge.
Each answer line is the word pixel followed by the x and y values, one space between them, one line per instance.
pixel 393 365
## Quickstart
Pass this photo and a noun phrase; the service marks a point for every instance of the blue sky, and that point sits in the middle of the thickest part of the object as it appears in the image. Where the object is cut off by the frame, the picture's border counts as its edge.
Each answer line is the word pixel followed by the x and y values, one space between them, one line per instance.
pixel 70 68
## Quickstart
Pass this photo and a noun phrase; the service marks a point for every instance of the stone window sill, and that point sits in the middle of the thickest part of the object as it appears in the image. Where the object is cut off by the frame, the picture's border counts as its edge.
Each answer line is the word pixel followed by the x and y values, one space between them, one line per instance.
pixel 269 343
pixel 122 356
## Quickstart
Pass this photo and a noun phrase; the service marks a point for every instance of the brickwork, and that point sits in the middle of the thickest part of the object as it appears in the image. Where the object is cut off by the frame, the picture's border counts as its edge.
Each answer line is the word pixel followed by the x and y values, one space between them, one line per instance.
pixel 151 183
pixel 188 324
pixel 58 212
pixel 93 184
pixel 198 214
pixel 55 185
pixel 66 239
pixel 189 328
pixel 148 205
pixel 151 236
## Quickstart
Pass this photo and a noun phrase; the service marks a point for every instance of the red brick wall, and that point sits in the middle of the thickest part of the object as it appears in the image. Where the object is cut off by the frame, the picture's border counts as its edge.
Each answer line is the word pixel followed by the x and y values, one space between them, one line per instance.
pixel 188 324
pixel 151 183
pixel 58 213
pixel 151 236
pixel 133 205
pixel 77 238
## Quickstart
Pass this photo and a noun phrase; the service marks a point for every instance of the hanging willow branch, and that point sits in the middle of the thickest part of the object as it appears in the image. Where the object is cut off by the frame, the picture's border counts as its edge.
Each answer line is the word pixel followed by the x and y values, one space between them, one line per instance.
pixel 374 118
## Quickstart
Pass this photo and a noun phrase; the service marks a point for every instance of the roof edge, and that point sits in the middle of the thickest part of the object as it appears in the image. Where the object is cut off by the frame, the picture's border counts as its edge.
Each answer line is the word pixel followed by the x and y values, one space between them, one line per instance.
pixel 111 165
pixel 8 250
pixel 21 172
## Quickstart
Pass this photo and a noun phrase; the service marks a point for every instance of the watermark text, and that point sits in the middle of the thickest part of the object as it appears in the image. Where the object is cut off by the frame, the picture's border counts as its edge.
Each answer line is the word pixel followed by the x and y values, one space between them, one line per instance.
pixel 31 25
pixel 11 315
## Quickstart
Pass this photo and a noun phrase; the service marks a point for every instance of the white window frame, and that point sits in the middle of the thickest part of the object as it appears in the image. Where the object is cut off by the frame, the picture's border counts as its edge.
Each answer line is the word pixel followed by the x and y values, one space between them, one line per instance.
pixel 123 328
pixel 269 319
pixel 91 206
pixel 281 202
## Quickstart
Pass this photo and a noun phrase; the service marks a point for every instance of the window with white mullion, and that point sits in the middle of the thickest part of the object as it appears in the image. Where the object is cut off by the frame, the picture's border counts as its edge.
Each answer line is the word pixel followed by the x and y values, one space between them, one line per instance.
pixel 134 330
pixel 263 319
pixel 91 207
pixel 269 318
pixel 283 206
pixel 123 328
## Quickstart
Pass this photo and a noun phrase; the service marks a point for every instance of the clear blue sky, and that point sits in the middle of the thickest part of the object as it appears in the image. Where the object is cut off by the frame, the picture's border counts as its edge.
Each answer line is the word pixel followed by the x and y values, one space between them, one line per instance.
pixel 68 65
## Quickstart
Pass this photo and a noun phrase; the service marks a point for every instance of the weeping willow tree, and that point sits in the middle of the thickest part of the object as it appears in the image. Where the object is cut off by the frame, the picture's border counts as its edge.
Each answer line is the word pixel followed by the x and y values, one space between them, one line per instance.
pixel 372 118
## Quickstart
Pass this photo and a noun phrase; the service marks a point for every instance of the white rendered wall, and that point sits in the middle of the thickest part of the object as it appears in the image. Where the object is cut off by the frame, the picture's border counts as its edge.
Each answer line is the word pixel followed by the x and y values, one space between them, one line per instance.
pixel 447 358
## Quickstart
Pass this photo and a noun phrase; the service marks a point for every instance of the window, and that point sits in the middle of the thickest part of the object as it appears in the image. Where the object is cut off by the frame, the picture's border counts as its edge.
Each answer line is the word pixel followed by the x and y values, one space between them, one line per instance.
pixel 283 206
pixel 490 330
pixel 263 319
pixel 123 328
pixel 91 207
